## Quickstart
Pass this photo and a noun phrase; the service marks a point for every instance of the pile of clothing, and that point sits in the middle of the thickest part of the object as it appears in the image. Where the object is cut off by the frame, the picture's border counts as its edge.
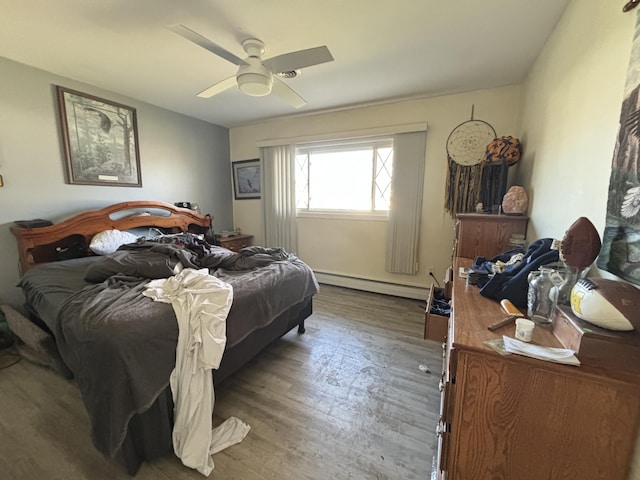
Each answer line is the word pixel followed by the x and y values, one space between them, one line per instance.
pixel 482 269
pixel 507 273
pixel 439 304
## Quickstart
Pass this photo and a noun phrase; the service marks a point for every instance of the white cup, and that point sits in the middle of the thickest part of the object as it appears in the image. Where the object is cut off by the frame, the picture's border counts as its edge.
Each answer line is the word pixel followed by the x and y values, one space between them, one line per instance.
pixel 524 329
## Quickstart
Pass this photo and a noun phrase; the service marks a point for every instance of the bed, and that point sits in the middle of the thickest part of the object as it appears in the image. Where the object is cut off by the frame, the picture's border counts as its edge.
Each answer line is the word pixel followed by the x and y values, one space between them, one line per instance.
pixel 120 345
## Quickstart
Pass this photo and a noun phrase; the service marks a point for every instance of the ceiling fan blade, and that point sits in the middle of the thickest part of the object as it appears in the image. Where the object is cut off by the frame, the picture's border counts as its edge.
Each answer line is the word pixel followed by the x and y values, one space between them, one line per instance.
pixel 205 43
pixel 225 84
pixel 285 92
pixel 300 59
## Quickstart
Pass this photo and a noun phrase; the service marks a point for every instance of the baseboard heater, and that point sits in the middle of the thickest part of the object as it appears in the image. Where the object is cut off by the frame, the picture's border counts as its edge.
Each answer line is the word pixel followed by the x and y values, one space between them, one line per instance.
pixel 375 286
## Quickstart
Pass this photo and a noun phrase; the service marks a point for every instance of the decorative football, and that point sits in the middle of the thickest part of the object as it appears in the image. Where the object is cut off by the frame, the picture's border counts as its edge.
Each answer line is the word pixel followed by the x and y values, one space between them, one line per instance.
pixel 610 304
pixel 580 245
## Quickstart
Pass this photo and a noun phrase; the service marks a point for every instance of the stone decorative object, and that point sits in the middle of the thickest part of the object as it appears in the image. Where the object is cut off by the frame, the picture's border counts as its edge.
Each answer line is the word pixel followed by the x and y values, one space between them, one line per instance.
pixel 515 201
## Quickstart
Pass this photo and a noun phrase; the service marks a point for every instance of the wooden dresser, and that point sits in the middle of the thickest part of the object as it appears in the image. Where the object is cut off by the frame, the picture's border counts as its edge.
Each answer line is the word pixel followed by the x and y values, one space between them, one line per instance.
pixel 516 418
pixel 480 234
pixel 235 242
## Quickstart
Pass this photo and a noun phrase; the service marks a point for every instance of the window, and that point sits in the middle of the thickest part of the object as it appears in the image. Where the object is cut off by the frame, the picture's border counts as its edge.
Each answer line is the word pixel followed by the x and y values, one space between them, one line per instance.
pixel 348 177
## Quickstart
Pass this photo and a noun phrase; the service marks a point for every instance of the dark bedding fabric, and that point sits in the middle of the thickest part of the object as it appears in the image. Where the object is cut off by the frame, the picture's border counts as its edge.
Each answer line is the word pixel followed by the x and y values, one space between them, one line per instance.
pixel 48 286
pixel 145 264
pixel 120 345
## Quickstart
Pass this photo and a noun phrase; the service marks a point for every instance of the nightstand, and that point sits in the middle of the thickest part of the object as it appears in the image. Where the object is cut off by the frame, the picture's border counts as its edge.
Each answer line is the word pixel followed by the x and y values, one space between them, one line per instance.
pixel 236 242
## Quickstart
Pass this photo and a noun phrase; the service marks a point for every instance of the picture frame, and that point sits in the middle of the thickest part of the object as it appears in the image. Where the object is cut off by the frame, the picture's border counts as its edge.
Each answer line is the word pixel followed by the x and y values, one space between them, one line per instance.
pixel 246 179
pixel 100 140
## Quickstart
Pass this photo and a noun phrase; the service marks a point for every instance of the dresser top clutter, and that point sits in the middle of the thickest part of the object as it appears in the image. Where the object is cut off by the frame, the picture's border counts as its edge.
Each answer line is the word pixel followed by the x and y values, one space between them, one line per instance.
pixel 510 416
pixel 474 313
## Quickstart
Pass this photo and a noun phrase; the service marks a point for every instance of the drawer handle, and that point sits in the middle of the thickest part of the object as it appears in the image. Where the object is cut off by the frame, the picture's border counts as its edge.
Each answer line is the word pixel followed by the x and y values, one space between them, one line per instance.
pixel 442 427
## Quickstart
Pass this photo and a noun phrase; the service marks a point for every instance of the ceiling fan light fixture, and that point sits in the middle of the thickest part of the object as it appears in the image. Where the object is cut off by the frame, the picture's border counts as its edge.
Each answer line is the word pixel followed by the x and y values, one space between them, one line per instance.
pixel 254 79
pixel 255 84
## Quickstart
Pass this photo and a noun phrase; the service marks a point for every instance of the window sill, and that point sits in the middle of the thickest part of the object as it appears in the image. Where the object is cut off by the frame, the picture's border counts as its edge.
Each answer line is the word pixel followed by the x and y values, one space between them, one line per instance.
pixel 337 215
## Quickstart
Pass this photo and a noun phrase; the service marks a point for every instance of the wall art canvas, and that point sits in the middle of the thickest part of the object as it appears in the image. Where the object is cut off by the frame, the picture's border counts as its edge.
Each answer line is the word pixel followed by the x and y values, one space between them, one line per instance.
pixel 246 179
pixel 620 253
pixel 100 139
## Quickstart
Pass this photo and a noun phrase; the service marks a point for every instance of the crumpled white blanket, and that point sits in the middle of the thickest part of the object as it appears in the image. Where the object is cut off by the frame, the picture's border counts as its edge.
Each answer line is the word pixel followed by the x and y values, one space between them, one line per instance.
pixel 201 303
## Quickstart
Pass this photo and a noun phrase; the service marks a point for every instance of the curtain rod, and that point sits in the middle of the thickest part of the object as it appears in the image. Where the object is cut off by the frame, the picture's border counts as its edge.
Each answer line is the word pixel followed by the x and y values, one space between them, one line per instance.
pixel 343 135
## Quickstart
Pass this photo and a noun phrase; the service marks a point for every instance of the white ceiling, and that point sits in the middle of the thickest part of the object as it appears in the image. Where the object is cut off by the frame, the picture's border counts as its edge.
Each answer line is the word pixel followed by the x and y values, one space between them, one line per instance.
pixel 383 49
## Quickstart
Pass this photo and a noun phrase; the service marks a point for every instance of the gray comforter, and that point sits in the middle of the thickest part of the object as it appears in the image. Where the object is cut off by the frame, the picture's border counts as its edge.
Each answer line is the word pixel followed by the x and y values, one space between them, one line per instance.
pixel 120 345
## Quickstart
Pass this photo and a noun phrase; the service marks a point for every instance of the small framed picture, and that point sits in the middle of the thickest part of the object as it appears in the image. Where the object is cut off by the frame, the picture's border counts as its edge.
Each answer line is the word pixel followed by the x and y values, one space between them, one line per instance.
pixel 246 179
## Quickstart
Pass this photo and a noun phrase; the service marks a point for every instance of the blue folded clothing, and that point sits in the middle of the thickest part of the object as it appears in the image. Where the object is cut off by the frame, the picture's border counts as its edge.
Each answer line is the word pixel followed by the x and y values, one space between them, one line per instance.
pixel 513 284
pixel 509 260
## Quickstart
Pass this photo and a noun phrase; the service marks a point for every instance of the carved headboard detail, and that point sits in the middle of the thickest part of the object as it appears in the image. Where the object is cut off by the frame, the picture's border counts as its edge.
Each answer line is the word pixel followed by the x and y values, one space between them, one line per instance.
pixel 44 244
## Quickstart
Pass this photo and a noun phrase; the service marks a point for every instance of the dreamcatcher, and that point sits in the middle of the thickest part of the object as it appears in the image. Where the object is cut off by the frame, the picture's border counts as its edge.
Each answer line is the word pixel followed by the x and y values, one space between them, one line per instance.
pixel 466 150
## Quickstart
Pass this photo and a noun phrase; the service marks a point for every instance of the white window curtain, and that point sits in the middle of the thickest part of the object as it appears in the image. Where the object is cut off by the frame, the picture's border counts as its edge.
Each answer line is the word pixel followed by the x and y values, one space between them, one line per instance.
pixel 279 197
pixel 403 234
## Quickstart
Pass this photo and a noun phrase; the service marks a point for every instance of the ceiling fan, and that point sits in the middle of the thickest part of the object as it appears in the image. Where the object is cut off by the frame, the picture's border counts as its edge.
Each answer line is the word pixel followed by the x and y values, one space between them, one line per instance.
pixel 257 77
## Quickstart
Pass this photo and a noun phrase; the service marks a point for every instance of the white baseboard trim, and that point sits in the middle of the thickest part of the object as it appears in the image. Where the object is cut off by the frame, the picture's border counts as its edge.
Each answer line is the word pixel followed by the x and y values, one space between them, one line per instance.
pixel 395 289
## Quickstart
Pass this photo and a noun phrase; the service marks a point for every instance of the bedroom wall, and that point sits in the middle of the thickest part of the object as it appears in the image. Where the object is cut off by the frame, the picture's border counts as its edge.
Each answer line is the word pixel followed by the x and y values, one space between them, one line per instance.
pixel 182 159
pixel 572 100
pixel 357 247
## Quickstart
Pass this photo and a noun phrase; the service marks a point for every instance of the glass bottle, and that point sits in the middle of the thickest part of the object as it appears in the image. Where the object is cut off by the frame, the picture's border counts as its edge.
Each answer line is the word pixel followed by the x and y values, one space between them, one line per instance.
pixel 570 278
pixel 541 296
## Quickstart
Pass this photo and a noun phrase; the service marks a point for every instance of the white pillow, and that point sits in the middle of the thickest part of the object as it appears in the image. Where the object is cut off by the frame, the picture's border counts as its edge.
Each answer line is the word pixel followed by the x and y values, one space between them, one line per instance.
pixel 108 241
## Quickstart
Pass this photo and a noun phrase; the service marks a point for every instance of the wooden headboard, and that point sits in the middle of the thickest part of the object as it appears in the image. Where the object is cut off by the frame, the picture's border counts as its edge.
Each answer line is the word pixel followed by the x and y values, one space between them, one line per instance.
pixel 44 244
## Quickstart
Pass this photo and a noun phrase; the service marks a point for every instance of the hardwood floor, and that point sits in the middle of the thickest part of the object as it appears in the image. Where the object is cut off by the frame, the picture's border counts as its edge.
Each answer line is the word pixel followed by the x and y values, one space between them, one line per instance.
pixel 346 400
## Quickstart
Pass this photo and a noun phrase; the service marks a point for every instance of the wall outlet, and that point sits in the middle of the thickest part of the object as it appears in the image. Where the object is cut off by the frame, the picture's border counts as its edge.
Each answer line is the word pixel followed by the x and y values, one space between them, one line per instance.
pixel 429 271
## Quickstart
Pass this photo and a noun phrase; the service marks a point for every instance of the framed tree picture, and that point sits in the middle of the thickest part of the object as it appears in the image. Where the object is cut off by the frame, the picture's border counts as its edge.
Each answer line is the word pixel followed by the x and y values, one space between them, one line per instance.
pixel 100 140
pixel 246 179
